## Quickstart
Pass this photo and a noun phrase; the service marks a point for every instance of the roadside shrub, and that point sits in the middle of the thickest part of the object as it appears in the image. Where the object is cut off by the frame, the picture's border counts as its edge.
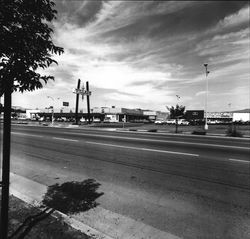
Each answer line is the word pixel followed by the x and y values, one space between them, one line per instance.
pixel 199 132
pixel 132 129
pixel 233 132
pixel 152 130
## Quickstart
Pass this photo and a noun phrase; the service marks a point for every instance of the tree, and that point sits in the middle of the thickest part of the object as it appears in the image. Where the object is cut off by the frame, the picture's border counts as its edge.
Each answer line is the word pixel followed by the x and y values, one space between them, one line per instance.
pixel 25 47
pixel 26 44
pixel 176 113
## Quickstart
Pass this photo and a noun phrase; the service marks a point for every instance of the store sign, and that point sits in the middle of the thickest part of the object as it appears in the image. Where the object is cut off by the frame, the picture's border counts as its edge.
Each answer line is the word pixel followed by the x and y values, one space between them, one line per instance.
pixel 194 114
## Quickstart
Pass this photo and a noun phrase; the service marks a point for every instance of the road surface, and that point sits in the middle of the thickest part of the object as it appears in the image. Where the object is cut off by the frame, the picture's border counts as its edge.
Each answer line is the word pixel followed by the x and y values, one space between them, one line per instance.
pixel 188 186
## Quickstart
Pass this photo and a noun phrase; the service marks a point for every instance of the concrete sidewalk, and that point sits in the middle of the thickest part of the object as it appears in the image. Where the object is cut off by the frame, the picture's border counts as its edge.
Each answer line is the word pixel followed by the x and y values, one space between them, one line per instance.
pixel 98 223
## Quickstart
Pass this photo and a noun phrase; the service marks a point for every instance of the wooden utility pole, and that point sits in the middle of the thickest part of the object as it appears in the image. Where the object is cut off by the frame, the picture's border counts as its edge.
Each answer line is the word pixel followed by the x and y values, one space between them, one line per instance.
pixel 6 161
pixel 77 101
pixel 88 105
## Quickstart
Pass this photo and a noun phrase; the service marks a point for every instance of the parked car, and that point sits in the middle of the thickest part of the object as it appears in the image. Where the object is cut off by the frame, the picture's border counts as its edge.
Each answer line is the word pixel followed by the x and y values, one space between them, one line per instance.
pixel 22 118
pixel 183 122
pixel 41 119
pixel 82 120
pixel 107 120
pixel 96 120
pixel 212 122
pixel 159 122
pixel 170 121
pixel 59 119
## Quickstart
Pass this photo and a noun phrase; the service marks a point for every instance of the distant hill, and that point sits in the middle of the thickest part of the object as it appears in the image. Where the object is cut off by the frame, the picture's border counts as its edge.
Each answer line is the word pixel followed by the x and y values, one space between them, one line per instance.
pixel 241 111
pixel 18 108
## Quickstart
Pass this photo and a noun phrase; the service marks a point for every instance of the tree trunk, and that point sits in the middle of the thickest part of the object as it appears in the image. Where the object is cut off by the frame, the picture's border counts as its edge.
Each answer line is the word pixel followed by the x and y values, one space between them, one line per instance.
pixel 6 162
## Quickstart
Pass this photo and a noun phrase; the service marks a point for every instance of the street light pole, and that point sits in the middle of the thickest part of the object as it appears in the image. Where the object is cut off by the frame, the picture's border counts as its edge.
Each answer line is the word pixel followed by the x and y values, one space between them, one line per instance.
pixel 52 111
pixel 207 72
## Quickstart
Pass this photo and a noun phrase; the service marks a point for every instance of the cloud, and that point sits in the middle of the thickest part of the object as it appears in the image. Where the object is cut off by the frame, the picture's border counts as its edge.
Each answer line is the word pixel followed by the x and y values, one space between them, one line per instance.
pixel 146 52
pixel 237 19
pixel 78 12
pixel 200 93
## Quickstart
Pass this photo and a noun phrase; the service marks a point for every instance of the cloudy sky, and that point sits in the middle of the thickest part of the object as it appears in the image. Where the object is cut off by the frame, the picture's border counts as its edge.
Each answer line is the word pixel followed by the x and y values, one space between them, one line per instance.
pixel 141 54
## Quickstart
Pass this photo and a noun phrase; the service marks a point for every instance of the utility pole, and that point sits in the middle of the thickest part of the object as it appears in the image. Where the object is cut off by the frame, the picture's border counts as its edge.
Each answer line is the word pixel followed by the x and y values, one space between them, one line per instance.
pixel 88 94
pixel 207 72
pixel 6 161
pixel 52 110
pixel 77 101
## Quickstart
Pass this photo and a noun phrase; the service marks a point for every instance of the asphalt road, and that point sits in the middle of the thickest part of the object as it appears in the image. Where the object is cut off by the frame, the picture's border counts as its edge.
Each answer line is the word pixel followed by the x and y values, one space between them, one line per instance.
pixel 189 186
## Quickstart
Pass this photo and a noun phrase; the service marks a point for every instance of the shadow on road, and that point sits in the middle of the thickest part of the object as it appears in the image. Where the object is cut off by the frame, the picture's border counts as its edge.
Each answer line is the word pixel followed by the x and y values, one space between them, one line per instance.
pixel 73 197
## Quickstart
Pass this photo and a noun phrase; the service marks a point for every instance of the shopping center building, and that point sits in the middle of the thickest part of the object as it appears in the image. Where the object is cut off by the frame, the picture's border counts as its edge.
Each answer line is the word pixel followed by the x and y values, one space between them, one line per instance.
pixel 118 114
pixel 103 114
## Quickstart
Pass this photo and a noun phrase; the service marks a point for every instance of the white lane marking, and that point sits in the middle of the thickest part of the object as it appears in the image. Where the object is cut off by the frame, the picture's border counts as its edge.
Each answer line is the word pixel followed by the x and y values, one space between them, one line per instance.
pixel 159 140
pixel 73 140
pixel 32 135
pixel 239 160
pixel 143 149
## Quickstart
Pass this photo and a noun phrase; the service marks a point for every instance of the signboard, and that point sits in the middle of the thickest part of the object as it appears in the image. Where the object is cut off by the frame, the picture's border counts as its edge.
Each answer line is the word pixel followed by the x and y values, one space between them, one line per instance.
pixel 195 114
pixel 149 113
pixel 220 115
pixel 65 103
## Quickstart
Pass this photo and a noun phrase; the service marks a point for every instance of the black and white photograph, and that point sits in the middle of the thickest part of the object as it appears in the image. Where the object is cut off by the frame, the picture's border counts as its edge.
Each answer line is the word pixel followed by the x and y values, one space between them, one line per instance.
pixel 124 119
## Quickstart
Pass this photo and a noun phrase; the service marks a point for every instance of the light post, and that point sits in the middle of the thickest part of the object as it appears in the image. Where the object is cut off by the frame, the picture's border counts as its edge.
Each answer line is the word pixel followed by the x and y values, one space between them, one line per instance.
pixel 231 123
pixel 52 110
pixel 206 72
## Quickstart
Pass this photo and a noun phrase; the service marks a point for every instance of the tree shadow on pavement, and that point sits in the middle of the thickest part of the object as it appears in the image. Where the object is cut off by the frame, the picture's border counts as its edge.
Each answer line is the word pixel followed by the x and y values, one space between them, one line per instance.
pixel 73 197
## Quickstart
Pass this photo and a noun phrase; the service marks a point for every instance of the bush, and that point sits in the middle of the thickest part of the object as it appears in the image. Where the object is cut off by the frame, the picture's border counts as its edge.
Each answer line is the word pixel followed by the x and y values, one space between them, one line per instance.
pixel 152 130
pixel 199 132
pixel 233 132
